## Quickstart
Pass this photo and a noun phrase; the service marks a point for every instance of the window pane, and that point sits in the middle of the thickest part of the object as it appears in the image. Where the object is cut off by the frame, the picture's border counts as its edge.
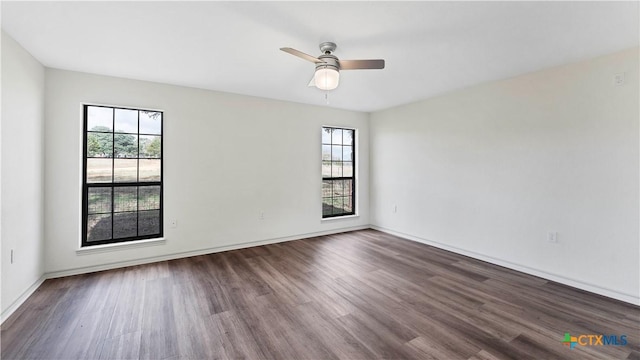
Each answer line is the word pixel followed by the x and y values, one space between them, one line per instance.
pixel 149 170
pixel 347 153
pixel 326 169
pixel 326 188
pixel 347 205
pixel 336 153
pixel 326 152
pixel 125 199
pixel 336 169
pixel 336 136
pixel 99 170
pixel 148 222
pixel 99 200
pixel 348 187
pixel 99 144
pixel 326 135
pixel 327 209
pixel 339 188
pixel 347 137
pixel 337 206
pixel 127 121
pixel 347 169
pixel 126 146
pixel 125 224
pixel 148 197
pixel 125 170
pixel 99 118
pixel 150 146
pixel 150 122
pixel 98 227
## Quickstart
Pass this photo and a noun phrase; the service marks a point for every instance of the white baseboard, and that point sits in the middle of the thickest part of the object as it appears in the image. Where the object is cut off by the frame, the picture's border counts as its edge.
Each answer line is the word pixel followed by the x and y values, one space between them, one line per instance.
pixel 21 299
pixel 211 250
pixel 611 293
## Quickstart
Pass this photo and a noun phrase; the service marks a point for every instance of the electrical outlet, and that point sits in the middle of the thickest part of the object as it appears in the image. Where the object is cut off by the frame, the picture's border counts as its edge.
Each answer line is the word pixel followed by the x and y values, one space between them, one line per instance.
pixel 173 223
pixel 552 237
pixel 618 79
pixel 261 215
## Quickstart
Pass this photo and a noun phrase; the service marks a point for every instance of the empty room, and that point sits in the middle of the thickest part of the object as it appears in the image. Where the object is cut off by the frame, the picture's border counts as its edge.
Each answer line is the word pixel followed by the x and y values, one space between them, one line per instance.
pixel 320 180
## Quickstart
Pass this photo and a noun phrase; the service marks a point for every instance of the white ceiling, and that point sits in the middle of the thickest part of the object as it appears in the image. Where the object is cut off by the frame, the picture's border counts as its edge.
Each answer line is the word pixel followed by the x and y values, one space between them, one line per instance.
pixel 429 47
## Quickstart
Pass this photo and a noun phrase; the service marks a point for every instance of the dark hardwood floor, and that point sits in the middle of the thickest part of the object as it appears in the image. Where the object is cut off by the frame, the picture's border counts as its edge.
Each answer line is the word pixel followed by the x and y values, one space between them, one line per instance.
pixel 358 295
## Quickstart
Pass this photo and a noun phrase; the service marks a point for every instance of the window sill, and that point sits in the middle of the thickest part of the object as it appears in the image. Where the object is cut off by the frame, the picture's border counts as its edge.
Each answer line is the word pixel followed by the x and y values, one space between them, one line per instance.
pixel 120 246
pixel 346 217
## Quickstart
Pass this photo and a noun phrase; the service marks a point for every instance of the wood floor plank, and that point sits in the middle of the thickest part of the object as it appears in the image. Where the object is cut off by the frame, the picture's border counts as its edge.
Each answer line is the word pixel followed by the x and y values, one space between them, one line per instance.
pixel 124 347
pixel 159 338
pixel 430 349
pixel 81 343
pixel 127 314
pixel 483 355
pixel 313 282
pixel 328 331
pixel 190 325
pixel 356 295
pixel 237 340
pixel 281 286
pixel 375 308
pixel 20 330
pixel 380 341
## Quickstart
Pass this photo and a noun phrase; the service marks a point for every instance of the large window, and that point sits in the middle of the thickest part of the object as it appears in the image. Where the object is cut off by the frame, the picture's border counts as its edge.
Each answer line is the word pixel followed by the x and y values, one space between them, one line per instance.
pixel 122 175
pixel 338 178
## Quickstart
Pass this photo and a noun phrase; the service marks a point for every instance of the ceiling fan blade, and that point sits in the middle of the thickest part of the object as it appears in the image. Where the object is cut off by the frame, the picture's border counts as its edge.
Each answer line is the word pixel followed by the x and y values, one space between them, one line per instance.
pixel 301 55
pixel 361 64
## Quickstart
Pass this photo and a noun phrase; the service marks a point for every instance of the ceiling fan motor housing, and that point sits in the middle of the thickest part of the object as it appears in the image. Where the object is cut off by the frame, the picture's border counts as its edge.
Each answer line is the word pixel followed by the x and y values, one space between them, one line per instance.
pixel 330 62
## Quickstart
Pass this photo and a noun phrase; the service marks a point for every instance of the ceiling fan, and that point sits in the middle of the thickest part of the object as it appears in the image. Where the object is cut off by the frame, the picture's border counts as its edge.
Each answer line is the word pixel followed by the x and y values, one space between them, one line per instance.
pixel 328 66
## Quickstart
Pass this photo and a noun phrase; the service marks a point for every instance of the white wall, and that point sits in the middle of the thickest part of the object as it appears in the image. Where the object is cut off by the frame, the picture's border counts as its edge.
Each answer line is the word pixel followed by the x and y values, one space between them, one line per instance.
pixel 21 224
pixel 226 158
pixel 490 170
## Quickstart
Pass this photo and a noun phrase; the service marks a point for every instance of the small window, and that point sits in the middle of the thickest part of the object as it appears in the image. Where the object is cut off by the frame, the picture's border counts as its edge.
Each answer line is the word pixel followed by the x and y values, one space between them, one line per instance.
pixel 338 172
pixel 122 175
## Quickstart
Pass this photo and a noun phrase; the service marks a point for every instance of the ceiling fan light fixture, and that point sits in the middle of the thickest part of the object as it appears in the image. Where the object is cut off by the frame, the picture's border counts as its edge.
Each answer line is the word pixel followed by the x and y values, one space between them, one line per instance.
pixel 326 78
